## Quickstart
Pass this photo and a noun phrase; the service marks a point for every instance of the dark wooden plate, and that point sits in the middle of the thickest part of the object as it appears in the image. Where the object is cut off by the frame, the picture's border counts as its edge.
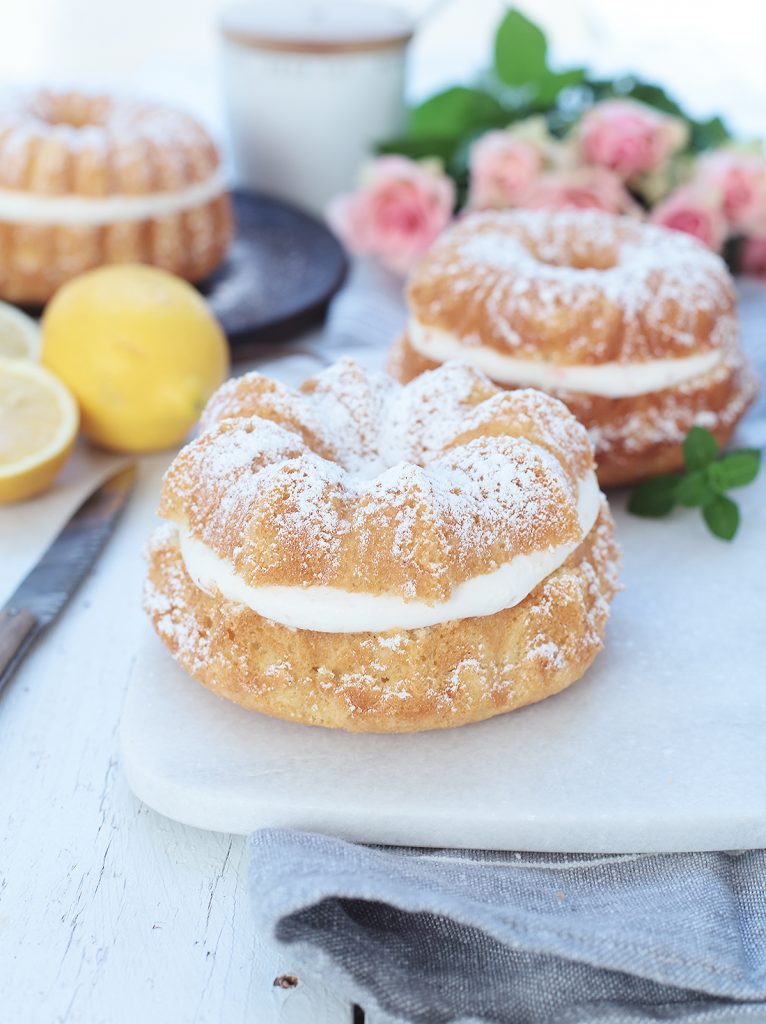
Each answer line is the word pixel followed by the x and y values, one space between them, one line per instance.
pixel 283 268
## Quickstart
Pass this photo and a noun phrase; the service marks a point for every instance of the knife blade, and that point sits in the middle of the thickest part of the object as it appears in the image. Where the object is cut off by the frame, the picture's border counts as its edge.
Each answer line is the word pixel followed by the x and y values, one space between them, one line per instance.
pixel 42 594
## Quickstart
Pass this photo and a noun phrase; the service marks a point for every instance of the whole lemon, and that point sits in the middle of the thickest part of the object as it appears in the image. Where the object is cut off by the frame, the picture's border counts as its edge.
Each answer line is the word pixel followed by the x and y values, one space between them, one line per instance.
pixel 140 351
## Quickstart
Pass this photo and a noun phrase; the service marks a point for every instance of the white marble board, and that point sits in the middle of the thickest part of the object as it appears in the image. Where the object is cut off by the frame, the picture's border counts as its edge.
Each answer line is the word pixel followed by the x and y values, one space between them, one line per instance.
pixel 660 747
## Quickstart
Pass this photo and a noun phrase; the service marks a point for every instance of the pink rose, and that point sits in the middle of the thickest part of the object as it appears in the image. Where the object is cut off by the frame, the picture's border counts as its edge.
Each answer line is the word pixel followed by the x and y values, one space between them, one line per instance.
pixel 753 257
pixel 740 180
pixel 502 169
pixel 628 137
pixel 397 213
pixel 695 211
pixel 585 188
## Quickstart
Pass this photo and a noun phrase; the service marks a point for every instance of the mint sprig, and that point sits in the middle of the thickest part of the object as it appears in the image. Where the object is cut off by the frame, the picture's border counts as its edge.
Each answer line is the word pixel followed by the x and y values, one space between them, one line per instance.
pixel 704 484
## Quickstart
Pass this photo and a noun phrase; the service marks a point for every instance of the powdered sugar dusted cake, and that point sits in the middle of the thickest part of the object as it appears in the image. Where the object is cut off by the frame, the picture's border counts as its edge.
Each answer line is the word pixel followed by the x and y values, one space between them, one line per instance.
pixel 376 557
pixel 87 179
pixel 633 326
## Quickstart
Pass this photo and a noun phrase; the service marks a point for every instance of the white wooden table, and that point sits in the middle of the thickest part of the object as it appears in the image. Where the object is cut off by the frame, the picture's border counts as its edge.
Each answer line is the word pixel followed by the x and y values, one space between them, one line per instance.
pixel 109 912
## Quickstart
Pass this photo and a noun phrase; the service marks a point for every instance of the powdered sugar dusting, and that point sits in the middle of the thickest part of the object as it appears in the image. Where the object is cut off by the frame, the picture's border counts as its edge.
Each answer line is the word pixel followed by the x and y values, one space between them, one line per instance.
pixel 402 680
pixel 50 140
pixel 572 286
pixel 672 414
pixel 357 482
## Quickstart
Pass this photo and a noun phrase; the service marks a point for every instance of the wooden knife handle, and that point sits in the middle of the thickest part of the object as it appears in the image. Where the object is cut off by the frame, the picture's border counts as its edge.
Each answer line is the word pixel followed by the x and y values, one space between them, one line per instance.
pixel 17 629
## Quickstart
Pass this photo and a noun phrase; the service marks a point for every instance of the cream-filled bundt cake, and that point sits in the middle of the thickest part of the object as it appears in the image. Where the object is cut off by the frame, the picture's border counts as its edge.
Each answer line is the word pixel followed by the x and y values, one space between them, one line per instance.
pixel 633 326
pixel 91 179
pixel 367 556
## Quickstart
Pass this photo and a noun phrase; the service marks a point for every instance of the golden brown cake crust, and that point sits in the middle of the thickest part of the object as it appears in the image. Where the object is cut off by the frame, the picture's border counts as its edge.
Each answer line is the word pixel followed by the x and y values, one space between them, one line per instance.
pixel 641 436
pixel 85 146
pixel 441 676
pixel 573 287
pixel 465 476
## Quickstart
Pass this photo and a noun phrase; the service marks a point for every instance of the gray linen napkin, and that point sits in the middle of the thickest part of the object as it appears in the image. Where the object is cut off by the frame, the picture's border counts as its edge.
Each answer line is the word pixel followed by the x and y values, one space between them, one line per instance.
pixel 434 936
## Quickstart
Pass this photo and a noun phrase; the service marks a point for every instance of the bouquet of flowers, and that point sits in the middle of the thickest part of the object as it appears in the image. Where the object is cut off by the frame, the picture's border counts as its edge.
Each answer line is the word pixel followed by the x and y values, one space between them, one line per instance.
pixel 528 136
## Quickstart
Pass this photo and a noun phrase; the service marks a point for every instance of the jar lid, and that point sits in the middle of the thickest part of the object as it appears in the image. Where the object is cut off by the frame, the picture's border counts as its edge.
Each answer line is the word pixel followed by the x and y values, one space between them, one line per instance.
pixel 317 26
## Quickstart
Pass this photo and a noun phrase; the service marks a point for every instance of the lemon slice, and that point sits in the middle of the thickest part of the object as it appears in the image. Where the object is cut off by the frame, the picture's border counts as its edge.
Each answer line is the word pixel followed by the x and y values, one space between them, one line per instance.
pixel 38 425
pixel 19 334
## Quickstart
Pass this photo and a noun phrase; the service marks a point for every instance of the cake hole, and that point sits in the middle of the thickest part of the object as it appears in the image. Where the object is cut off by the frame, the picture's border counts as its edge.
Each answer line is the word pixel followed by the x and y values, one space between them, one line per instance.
pixel 74 121
pixel 579 261
pixel 71 110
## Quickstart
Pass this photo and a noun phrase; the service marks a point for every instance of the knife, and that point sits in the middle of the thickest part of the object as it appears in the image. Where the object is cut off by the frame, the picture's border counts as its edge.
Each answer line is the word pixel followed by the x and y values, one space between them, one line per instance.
pixel 40 597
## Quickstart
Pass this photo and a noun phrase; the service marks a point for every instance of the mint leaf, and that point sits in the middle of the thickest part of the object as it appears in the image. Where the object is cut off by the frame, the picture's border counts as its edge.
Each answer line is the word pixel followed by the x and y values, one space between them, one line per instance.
pixel 737 469
pixel 700 448
pixel 455 112
pixel 722 517
pixel 694 489
pixel 655 498
pixel 520 51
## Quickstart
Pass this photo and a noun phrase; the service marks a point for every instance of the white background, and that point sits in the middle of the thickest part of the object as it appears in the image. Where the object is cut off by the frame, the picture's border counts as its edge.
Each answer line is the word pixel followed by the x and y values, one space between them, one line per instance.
pixel 704 50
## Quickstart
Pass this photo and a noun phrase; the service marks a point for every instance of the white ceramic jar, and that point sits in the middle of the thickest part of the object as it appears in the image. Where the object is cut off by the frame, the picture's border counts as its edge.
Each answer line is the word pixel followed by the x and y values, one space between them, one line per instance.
pixel 309 87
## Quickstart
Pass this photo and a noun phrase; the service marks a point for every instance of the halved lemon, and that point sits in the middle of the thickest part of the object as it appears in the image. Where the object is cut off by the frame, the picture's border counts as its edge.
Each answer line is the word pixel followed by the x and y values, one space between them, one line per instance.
pixel 20 336
pixel 38 426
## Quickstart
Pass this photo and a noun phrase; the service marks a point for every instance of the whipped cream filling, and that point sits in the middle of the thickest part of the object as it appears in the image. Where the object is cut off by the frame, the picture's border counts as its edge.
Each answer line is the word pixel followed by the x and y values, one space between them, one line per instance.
pixel 334 610
pixel 608 380
pixel 18 207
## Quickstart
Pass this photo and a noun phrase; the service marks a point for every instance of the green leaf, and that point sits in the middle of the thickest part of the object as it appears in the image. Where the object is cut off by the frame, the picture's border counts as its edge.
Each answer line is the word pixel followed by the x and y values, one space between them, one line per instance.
pixel 708 134
pixel 722 517
pixel 520 51
pixel 421 147
pixel 655 96
pixel 550 87
pixel 694 489
pixel 453 113
pixel 700 448
pixel 602 88
pixel 732 253
pixel 655 498
pixel 737 469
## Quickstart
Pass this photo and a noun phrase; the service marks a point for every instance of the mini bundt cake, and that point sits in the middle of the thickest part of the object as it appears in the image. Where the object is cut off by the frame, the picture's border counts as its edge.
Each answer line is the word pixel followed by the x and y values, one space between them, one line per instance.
pixel 362 555
pixel 90 179
pixel 633 326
